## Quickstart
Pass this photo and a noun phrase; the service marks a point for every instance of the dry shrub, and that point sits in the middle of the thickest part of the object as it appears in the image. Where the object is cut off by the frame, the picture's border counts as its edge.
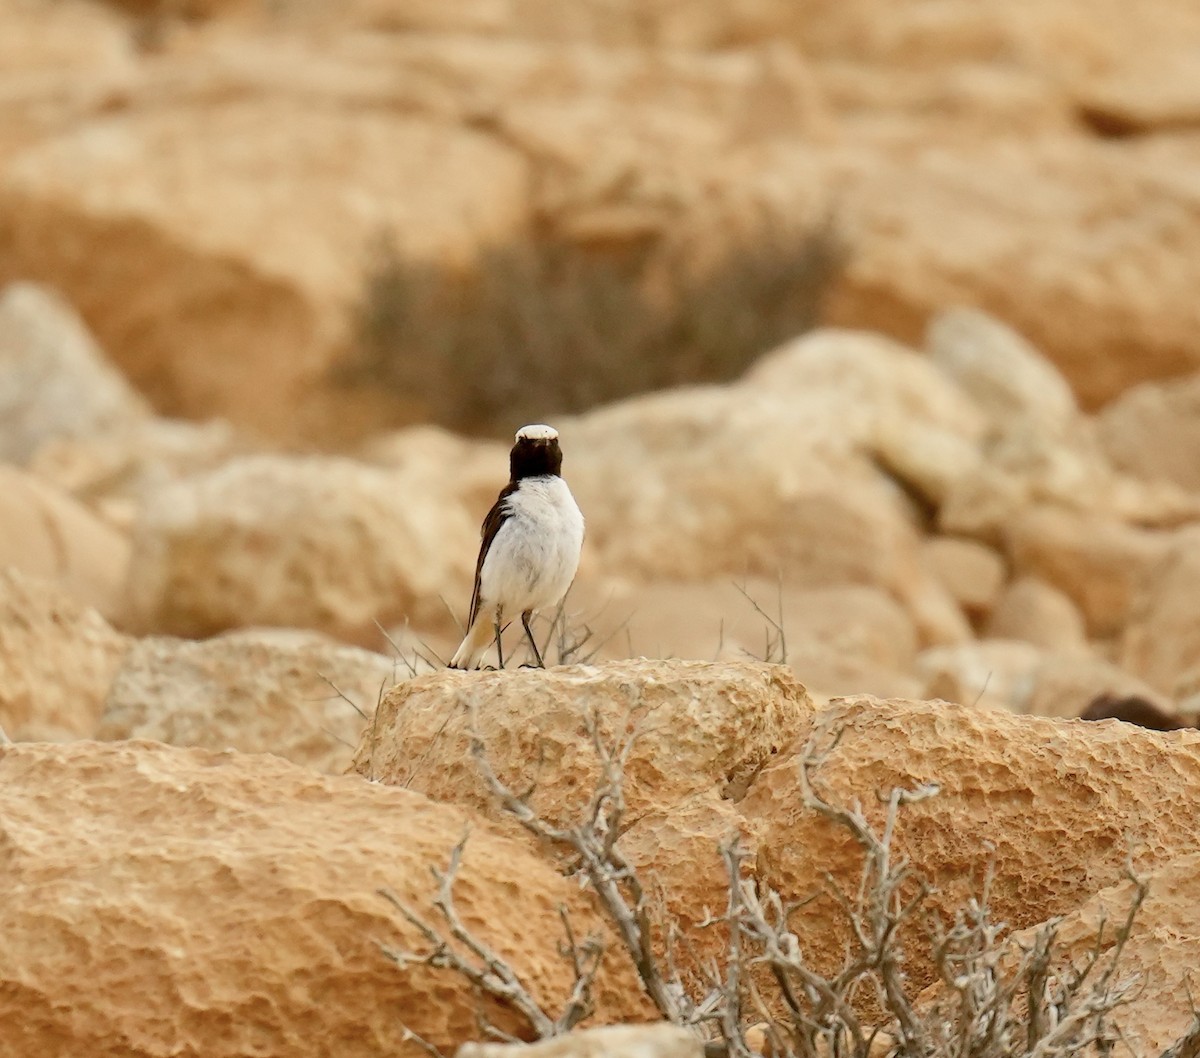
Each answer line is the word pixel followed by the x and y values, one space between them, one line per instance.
pixel 543 324
pixel 996 998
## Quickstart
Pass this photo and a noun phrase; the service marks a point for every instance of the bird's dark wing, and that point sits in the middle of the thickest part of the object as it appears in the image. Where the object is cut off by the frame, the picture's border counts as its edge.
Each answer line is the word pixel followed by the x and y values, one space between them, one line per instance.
pixel 496 517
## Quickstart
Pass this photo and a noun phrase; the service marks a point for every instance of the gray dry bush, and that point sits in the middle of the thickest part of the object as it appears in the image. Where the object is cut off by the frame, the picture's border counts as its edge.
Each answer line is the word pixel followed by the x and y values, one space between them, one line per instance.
pixel 542 324
pixel 995 998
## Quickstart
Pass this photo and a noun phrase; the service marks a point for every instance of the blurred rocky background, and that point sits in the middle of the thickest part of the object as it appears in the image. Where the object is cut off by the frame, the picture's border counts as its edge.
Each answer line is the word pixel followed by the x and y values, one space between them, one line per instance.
pixel 870 328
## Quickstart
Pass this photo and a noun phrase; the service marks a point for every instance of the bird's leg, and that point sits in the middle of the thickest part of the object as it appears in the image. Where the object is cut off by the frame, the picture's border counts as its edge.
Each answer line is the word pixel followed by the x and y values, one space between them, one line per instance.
pixel 529 635
pixel 499 641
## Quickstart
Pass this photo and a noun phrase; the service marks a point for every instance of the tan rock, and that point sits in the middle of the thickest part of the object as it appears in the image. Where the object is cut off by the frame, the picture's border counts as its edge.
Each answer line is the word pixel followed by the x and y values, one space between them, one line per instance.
pixel 45 533
pixel 1082 303
pixel 112 474
pixel 1001 372
pixel 1095 783
pixel 54 380
pixel 700 728
pixel 1153 431
pixel 1098 562
pixel 57 661
pixel 1066 684
pixel 827 673
pixel 699 619
pixel 159 857
pixel 661 1040
pixel 244 304
pixel 1162 946
pixel 295 694
pixel 1162 641
pixel 971 572
pixel 321 543
pixel 1031 610
pixel 60 63
pixel 995 673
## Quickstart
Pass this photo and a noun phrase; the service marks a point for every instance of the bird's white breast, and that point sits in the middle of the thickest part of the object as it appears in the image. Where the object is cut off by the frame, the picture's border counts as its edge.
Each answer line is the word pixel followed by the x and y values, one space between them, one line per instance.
pixel 535 554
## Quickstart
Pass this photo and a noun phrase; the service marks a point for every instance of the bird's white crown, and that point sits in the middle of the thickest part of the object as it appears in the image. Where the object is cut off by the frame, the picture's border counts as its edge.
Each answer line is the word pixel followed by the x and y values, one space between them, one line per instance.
pixel 537 432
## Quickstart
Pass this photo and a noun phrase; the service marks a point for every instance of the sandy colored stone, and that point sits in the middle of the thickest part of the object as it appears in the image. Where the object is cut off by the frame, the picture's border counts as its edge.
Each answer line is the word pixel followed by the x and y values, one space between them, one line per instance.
pixel 971 572
pixel 1153 430
pixel 700 619
pixel 134 870
pixel 1002 372
pixel 994 673
pixel 244 302
pixel 828 673
pixel 308 542
pixel 255 691
pixel 661 1040
pixel 47 534
pixel 1054 800
pixel 54 379
pixel 113 473
pixel 1098 562
pixel 1042 237
pixel 60 63
pixel 1163 947
pixel 57 660
pixel 1066 684
pixel 700 728
pixel 663 478
pixel 1162 641
pixel 1031 610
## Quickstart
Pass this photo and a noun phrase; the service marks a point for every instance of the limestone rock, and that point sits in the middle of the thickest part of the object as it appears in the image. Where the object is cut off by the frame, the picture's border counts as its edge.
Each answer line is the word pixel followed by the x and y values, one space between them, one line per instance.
pixel 134 869
pixel 1163 945
pixel 971 572
pixel 1153 431
pixel 1098 562
pixel 1002 372
pixel 1066 684
pixel 47 534
pixel 115 472
pixel 1162 642
pixel 1031 610
pixel 700 728
pixel 57 661
pixel 244 304
pixel 321 543
pixel 54 380
pixel 1051 801
pixel 614 1041
pixel 996 673
pixel 255 691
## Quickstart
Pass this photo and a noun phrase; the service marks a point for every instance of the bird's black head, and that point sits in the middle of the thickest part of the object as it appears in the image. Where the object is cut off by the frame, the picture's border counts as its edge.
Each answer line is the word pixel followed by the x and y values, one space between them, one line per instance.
pixel 535 454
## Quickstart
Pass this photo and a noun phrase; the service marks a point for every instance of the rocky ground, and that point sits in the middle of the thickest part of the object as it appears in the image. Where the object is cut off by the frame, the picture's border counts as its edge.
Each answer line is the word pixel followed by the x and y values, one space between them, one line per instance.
pixel 230 566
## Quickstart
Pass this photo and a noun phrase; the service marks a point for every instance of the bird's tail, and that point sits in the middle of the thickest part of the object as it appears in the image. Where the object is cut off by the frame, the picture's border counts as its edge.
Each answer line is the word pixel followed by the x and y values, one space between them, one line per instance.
pixel 470 652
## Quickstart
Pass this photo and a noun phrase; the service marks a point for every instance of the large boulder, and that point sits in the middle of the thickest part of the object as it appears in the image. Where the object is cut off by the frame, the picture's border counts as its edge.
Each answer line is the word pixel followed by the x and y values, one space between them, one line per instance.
pixel 695 728
pixel 46 533
pixel 243 303
pixel 309 542
pixel 57 660
pixel 166 901
pixel 1162 640
pixel 54 379
pixel 1058 808
pixel 1153 431
pixel 296 694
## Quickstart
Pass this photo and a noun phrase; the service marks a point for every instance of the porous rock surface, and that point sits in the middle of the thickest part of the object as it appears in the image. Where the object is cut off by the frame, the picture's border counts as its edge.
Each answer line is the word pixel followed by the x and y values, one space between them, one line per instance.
pixel 57 660
pixel 162 901
pixel 699 728
pixel 296 694
pixel 1058 805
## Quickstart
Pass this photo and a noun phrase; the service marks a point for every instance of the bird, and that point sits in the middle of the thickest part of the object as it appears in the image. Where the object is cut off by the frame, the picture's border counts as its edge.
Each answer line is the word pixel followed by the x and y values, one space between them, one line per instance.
pixel 531 542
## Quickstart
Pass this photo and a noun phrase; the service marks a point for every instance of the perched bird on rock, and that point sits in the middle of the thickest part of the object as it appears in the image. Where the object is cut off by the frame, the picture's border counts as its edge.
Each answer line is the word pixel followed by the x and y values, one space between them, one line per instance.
pixel 532 537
